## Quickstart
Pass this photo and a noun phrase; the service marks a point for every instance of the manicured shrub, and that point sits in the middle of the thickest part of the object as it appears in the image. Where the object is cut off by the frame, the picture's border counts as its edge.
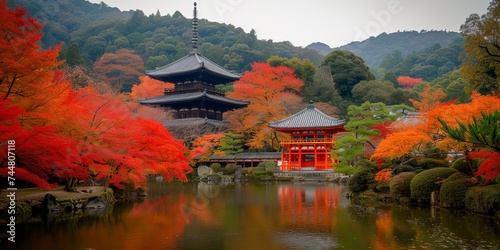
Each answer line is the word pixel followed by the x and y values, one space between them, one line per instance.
pixel 400 185
pixel 216 167
pixel 463 166
pixel 247 171
pixel 259 173
pixel 366 166
pixel 229 169
pixel 453 190
pixel 359 182
pixel 400 169
pixel 429 163
pixel 484 199
pixel 268 165
pixel 424 183
pixel 382 188
pixel 435 153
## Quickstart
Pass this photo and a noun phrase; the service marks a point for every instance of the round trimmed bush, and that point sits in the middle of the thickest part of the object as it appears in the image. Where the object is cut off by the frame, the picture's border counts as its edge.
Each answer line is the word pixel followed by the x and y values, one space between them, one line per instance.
pixel 229 169
pixel 216 167
pixel 366 166
pixel 429 163
pixel 268 165
pixel 400 185
pixel 422 185
pixel 453 190
pixel 400 169
pixel 463 166
pixel 359 182
pixel 483 199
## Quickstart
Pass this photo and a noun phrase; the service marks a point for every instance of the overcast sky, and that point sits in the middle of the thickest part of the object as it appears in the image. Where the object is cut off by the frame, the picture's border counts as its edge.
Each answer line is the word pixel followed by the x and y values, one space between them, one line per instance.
pixel 334 22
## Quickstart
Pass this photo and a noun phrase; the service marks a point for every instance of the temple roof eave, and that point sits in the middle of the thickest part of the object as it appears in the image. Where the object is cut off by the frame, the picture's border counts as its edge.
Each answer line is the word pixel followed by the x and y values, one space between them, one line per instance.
pixel 189 97
pixel 193 65
pixel 308 118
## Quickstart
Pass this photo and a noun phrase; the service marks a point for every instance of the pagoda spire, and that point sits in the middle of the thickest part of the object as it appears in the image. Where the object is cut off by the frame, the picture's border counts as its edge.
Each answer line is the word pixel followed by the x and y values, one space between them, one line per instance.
pixel 194 40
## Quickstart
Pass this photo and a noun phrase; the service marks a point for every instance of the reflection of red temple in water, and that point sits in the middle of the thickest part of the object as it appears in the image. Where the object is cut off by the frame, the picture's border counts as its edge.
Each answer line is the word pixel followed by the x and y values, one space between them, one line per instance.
pixel 308 206
pixel 311 142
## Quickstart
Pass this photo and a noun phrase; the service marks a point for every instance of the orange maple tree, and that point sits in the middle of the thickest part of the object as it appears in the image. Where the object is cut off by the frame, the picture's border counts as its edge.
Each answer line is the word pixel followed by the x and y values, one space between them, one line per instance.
pixel 273 93
pixel 149 87
pixel 205 145
pixel 383 175
pixel 23 64
pixel 413 138
pixel 428 99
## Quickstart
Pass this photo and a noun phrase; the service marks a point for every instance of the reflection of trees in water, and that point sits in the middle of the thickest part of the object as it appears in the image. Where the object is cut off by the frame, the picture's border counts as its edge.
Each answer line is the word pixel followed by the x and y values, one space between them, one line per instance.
pixel 263 216
pixel 308 206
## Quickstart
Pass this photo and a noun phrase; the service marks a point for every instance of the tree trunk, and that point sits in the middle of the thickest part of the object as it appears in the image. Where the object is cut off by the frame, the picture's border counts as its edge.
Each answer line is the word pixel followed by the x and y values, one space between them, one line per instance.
pixel 70 185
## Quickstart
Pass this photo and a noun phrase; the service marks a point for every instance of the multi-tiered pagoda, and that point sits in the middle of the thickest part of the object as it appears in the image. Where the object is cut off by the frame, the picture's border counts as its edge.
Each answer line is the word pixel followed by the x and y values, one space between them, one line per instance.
pixel 195 100
pixel 311 139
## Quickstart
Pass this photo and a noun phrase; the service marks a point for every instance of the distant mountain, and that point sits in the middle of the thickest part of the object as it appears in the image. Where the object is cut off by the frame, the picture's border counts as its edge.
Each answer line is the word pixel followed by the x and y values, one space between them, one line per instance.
pixel 322 48
pixel 374 49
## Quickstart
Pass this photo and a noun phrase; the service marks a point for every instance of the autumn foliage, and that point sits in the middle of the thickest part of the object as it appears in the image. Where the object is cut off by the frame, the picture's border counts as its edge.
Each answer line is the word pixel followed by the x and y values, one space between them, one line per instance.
pixel 408 82
pixel 72 134
pixel 413 139
pixel 273 95
pixel 383 175
pixel 120 69
pixel 428 99
pixel 149 88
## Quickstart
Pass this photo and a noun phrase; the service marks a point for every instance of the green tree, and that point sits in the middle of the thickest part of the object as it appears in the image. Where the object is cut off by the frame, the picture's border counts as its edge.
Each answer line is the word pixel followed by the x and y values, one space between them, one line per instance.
pixel 362 118
pixel 156 62
pixel 303 68
pixel 73 56
pixel 373 91
pixel 347 70
pixel 231 143
pixel 453 85
pixel 391 77
pixel 392 59
pixel 322 89
pixel 481 67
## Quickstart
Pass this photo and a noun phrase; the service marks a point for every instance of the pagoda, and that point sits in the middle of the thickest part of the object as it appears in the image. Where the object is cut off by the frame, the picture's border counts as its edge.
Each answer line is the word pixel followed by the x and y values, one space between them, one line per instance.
pixel 194 99
pixel 311 139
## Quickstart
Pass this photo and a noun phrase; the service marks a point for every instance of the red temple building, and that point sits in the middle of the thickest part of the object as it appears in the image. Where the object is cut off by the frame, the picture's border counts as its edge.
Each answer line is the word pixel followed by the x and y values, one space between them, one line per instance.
pixel 195 100
pixel 311 139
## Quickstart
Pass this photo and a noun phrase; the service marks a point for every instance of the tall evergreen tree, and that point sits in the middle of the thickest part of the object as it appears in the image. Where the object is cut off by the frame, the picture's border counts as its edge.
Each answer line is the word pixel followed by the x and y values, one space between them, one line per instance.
pixel 362 118
pixel 73 56
pixel 347 70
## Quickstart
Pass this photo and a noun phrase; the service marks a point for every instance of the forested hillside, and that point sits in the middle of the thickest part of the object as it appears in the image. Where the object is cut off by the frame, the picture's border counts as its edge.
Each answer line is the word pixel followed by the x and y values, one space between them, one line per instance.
pixel 428 63
pixel 62 18
pixel 157 39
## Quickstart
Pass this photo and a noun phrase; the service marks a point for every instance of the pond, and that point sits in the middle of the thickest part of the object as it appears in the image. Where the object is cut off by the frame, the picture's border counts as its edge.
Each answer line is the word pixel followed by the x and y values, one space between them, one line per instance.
pixel 257 216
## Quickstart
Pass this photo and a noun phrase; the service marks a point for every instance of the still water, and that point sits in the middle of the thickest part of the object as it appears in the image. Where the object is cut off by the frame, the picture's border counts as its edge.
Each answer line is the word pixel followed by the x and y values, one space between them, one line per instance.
pixel 257 216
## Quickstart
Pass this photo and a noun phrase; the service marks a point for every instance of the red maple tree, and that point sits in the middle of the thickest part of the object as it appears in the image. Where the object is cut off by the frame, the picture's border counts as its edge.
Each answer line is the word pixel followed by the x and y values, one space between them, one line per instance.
pixel 408 82
pixel 75 135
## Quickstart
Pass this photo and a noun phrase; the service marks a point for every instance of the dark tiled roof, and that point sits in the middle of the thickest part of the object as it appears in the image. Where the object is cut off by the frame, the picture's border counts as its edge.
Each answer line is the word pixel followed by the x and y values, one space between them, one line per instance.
pixel 309 117
pixel 246 156
pixel 186 97
pixel 194 122
pixel 193 65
